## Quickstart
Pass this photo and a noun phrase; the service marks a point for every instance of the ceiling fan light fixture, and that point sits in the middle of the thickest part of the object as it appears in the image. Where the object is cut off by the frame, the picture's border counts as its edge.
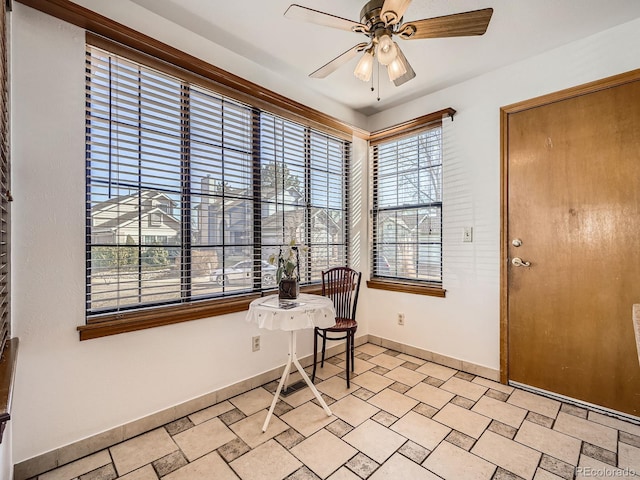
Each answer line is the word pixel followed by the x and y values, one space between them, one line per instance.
pixel 380 21
pixel 409 73
pixel 396 69
pixel 364 69
pixel 387 50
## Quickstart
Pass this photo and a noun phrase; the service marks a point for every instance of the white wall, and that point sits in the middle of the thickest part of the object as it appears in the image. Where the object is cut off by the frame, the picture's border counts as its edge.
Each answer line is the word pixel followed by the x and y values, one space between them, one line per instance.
pixel 67 390
pixel 465 325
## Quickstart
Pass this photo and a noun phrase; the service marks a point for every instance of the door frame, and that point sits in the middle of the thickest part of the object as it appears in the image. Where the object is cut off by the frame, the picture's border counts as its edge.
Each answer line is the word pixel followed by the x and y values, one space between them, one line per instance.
pixel 585 89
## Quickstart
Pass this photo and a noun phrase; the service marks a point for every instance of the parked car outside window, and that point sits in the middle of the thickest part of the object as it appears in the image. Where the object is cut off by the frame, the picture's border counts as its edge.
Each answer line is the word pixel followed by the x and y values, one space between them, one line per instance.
pixel 242 272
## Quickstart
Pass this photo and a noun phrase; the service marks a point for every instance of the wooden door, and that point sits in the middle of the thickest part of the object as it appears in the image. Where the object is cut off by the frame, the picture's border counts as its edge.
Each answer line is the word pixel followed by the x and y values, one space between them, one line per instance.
pixel 572 188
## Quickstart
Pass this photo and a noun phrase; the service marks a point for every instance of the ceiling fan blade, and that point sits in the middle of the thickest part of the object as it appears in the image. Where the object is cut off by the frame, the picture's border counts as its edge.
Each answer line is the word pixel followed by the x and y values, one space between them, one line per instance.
pixel 456 25
pixel 393 10
pixel 337 62
pixel 407 76
pixel 297 12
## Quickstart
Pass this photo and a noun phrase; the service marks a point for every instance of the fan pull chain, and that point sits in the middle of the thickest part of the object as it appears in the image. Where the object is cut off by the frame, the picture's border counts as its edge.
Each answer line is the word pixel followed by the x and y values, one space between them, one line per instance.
pixel 372 89
pixel 378 81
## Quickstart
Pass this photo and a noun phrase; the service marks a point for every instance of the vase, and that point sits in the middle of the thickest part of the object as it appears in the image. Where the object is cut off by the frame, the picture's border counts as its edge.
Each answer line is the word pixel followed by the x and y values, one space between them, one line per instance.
pixel 288 289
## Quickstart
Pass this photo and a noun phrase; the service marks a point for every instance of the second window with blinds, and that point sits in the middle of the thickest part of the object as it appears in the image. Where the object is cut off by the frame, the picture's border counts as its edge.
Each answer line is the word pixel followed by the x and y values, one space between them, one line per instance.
pixel 407 207
pixel 189 192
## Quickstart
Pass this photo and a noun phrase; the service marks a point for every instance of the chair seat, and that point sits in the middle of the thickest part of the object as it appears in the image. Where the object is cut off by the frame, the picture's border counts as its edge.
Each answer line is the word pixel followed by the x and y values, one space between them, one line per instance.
pixel 342 324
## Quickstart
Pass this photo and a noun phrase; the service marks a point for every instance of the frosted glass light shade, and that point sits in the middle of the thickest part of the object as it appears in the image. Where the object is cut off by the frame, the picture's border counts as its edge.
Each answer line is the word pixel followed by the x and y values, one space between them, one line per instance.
pixel 365 66
pixel 396 68
pixel 387 50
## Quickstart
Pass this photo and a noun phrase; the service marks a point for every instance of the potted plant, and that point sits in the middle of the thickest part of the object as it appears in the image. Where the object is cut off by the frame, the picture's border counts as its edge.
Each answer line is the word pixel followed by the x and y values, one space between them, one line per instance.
pixel 288 270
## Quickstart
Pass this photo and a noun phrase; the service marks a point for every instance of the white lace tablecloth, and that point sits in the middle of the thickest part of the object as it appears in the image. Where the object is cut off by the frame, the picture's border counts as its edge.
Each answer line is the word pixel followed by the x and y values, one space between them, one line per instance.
pixel 311 311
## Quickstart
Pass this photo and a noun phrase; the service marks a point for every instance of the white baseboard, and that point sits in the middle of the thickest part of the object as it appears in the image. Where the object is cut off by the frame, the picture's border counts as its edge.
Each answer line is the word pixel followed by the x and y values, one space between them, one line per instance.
pixel 474 369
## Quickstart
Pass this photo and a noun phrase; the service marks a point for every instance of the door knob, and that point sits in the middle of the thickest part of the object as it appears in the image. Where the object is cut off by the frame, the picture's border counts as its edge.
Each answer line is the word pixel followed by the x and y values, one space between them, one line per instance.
pixel 517 262
pixel 516 242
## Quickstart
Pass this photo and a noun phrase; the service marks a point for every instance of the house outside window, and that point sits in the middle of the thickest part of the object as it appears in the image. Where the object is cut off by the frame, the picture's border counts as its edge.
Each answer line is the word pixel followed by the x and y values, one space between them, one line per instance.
pixel 184 184
pixel 407 207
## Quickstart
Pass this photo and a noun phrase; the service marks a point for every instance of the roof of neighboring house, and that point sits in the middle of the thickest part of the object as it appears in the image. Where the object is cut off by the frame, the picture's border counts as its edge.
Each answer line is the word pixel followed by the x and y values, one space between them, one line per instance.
pixel 129 217
pixel 236 196
pixel 128 199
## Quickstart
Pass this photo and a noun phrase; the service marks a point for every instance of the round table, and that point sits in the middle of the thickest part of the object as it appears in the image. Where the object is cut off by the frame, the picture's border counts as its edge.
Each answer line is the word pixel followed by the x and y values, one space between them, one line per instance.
pixel 307 311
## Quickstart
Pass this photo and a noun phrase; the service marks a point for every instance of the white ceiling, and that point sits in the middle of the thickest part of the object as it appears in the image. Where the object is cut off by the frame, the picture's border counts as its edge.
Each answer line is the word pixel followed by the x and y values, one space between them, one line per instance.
pixel 258 31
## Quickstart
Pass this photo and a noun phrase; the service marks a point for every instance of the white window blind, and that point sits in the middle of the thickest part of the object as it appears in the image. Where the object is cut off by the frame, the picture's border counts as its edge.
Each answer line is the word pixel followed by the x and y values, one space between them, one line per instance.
pixel 304 185
pixel 188 192
pixel 407 207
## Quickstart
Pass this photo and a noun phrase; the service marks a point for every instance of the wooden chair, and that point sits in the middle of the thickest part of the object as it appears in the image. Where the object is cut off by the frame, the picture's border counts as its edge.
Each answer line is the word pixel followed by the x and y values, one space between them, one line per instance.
pixel 342 285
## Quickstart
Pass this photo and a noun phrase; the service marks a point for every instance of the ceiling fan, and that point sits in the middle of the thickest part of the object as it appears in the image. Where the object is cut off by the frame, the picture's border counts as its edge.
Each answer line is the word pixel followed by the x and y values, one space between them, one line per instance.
pixel 380 20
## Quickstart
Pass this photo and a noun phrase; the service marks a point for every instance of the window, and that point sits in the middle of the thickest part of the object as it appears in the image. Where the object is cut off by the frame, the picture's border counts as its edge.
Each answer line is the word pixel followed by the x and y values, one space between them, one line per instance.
pixel 155 219
pixel 5 195
pixel 189 191
pixel 8 345
pixel 155 240
pixel 407 207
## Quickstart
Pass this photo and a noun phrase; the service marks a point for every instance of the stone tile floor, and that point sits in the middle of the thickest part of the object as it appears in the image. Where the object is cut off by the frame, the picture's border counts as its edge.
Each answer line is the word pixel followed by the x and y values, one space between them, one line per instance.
pixel 402 418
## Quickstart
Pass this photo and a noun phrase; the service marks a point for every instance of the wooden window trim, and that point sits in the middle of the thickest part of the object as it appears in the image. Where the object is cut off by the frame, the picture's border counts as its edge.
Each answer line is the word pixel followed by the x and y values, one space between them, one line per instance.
pixel 410 127
pixel 406 287
pixel 115 323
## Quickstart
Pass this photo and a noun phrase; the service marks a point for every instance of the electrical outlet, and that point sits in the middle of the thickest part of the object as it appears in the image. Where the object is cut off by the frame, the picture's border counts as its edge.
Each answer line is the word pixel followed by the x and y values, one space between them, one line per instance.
pixel 400 318
pixel 467 234
pixel 255 343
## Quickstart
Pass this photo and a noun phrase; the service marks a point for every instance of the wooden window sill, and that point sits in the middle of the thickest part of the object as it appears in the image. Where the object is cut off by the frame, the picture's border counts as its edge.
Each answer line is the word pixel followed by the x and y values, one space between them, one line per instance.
pixel 130 321
pixel 406 287
pixel 7 374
